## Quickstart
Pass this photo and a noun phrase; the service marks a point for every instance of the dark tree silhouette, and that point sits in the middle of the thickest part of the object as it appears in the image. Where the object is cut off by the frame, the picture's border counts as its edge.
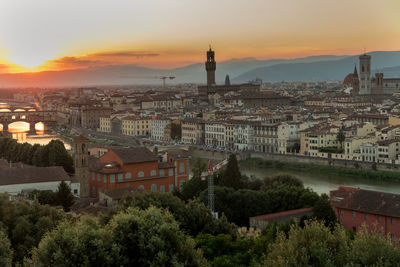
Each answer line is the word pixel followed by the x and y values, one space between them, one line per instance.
pixel 64 196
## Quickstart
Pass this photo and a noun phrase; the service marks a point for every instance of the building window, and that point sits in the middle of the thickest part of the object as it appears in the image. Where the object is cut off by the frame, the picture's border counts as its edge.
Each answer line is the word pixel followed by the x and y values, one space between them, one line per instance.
pixel 181 182
pixel 153 188
pixel 341 213
pixel 379 219
pixel 93 176
pixel 153 173
pixel 128 175
pixel 112 178
pixel 181 167
pixel 162 172
pixel 366 217
pixel 171 188
pixel 140 174
pixel 162 188
pixel 141 187
pixel 392 236
pixel 354 214
pixel 171 172
pixel 98 177
pixel 392 220
pixel 120 177
pixel 105 178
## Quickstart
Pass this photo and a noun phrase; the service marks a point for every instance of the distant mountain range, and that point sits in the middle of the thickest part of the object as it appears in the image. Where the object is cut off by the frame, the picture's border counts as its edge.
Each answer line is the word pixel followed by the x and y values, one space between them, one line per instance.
pixel 315 68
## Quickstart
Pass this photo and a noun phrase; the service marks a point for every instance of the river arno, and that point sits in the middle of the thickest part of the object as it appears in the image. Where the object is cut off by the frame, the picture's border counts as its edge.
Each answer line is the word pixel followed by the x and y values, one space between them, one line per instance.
pixel 324 183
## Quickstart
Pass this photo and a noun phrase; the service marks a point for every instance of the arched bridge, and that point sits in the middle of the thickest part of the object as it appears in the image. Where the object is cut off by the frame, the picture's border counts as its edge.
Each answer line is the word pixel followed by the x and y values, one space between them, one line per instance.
pixel 32 117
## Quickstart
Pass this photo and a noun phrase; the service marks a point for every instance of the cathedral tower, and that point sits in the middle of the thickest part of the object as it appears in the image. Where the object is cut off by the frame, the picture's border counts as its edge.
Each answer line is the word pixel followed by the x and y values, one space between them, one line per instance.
pixel 210 67
pixel 365 74
pixel 81 158
pixel 379 83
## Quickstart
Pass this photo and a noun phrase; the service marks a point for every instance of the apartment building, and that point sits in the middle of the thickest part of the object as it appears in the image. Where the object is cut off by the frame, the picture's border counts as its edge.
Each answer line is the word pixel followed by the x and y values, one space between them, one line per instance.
pixel 214 133
pixel 136 126
pixel 317 137
pixel 243 135
pixel 158 129
pixel 368 152
pixel 388 151
pixel 265 137
pixel 105 125
pixel 193 131
pixel 288 137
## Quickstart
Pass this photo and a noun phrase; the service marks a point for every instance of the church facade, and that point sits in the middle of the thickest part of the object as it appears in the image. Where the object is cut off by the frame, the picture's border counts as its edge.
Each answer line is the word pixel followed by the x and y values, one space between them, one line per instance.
pixel 364 84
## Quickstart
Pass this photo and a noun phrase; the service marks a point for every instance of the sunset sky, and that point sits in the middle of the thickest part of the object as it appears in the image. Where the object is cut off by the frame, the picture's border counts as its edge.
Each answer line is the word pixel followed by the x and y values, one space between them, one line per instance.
pixel 38 35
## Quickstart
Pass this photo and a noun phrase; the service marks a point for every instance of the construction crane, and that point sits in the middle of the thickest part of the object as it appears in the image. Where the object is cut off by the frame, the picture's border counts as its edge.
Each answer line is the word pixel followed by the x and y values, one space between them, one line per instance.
pixel 209 174
pixel 164 78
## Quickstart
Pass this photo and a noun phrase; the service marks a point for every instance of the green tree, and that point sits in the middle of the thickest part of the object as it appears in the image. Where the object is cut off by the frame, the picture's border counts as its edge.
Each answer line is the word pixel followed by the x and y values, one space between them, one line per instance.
pixel 132 238
pixel 239 205
pixel 231 176
pixel 53 154
pixel 194 217
pixel 340 137
pixel 193 187
pixel 80 244
pixel 370 248
pixel 323 211
pixel 276 181
pixel 64 196
pixel 313 245
pixel 58 156
pixel 152 238
pixel 47 197
pixel 223 250
pixel 5 251
pixel 26 223
pixel 317 245
pixel 176 131
pixel 199 166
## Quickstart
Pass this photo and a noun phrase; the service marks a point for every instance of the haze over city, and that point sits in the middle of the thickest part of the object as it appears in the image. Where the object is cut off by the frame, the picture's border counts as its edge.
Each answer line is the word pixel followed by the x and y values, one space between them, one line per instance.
pixel 57 35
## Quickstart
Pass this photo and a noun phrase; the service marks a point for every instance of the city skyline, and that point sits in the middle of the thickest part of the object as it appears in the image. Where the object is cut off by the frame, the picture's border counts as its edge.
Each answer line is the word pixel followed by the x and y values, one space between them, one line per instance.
pixel 44 35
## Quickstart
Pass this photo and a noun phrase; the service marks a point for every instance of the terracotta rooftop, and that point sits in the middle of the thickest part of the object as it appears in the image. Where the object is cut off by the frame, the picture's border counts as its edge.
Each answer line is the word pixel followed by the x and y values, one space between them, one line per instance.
pixel 117 194
pixel 135 155
pixel 284 214
pixel 32 174
pixel 368 201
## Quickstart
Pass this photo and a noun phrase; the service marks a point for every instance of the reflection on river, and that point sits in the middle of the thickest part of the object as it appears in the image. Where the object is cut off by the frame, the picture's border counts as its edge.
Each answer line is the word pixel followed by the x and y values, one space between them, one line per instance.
pixel 322 183
pixel 43 140
pixel 21 132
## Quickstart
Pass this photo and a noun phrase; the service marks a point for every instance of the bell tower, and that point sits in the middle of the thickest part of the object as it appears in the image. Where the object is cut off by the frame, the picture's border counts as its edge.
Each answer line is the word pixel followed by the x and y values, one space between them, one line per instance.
pixel 210 67
pixel 365 74
pixel 81 158
pixel 379 83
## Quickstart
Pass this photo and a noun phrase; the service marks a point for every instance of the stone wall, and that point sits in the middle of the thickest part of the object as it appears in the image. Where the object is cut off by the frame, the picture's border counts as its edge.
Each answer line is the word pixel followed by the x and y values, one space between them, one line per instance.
pixel 217 156
pixel 326 162
pixel 214 155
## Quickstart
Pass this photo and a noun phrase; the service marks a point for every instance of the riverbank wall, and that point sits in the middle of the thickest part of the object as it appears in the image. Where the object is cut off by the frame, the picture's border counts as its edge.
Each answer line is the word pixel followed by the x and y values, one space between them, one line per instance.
pixel 290 158
pixel 352 164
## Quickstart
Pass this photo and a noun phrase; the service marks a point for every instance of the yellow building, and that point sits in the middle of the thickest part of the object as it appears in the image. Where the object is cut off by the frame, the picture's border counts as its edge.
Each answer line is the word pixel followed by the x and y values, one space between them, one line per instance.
pixel 136 126
pixel 316 137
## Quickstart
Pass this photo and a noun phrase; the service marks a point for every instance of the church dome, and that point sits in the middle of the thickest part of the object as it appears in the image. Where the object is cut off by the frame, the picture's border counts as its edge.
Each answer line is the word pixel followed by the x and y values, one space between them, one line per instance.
pixel 349 79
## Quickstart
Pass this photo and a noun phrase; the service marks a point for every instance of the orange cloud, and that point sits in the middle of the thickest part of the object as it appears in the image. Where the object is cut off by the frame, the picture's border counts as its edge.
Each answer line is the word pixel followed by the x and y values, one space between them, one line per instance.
pixel 126 54
pixel 97 59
